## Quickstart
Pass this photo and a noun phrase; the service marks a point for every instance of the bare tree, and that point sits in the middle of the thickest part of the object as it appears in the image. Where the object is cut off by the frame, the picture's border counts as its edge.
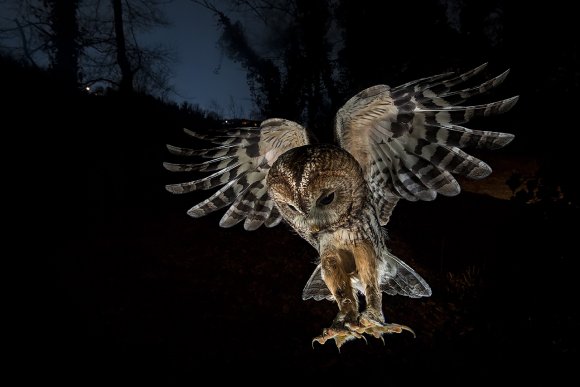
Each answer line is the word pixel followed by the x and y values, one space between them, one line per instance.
pixel 235 110
pixel 288 57
pixel 45 32
pixel 64 42
pixel 114 52
pixel 97 41
pixel 127 74
pixel 25 31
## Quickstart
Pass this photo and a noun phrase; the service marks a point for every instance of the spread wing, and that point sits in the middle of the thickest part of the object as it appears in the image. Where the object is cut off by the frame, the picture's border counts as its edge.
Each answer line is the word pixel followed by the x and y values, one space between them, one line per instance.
pixel 408 139
pixel 240 163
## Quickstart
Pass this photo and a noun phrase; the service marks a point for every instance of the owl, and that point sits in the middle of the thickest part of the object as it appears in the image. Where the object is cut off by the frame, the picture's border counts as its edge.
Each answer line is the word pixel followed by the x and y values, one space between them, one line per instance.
pixel 391 144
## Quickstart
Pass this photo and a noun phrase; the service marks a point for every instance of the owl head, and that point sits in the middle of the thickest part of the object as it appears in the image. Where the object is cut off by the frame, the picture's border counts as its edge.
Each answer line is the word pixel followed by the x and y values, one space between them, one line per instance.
pixel 317 186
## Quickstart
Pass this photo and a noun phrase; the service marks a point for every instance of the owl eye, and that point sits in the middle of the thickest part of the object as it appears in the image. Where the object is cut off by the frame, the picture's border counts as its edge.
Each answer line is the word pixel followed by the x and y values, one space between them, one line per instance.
pixel 326 200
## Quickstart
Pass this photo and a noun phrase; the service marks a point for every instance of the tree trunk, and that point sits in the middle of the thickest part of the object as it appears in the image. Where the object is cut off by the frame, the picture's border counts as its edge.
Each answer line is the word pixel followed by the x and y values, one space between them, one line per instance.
pixel 127 74
pixel 64 25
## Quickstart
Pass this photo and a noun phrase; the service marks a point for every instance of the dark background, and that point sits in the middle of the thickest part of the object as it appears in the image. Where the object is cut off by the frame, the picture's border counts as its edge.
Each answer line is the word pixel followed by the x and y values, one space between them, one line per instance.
pixel 119 284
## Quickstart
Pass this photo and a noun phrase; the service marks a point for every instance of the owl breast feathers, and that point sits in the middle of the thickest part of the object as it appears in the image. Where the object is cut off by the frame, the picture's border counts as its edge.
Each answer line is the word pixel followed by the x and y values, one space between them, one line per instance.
pixel 392 143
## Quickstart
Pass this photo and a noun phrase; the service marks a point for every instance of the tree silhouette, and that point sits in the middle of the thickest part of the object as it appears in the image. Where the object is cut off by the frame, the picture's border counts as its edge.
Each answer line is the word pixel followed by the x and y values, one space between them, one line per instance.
pixel 64 42
pixel 89 42
pixel 127 74
pixel 309 57
pixel 290 68
pixel 115 55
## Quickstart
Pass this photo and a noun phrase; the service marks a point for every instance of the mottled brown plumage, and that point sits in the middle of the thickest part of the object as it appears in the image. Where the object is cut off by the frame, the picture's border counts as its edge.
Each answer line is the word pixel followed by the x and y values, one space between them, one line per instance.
pixel 400 143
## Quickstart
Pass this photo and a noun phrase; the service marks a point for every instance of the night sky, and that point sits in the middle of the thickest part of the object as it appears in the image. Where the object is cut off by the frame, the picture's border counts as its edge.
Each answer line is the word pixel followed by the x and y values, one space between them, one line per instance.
pixel 202 73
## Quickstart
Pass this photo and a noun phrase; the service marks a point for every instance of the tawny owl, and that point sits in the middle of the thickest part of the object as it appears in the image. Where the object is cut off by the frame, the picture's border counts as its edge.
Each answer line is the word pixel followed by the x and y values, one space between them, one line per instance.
pixel 393 143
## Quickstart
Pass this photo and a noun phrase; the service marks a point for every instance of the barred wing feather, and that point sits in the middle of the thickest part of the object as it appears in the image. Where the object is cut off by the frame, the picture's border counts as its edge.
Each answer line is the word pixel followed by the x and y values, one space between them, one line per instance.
pixel 408 139
pixel 240 163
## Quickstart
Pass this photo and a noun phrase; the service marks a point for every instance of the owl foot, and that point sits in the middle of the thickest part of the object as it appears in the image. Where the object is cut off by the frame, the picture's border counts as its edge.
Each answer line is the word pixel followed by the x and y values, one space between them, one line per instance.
pixel 374 327
pixel 340 336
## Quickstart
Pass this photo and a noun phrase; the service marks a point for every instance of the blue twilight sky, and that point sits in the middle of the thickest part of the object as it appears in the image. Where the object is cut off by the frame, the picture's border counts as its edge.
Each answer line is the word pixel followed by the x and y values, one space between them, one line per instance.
pixel 202 74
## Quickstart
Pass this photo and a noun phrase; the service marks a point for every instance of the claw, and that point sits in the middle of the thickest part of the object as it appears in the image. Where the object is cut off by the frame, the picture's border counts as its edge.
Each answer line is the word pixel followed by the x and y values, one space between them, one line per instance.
pixel 339 341
pixel 406 328
pixel 379 330
pixel 340 336
pixel 397 328
pixel 350 331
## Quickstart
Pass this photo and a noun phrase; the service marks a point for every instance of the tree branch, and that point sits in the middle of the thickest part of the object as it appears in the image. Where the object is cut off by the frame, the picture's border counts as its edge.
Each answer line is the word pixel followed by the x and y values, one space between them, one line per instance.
pixel 27 53
pixel 97 80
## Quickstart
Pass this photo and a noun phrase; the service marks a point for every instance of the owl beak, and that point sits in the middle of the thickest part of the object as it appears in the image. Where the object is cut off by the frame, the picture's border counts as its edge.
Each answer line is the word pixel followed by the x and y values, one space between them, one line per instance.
pixel 314 228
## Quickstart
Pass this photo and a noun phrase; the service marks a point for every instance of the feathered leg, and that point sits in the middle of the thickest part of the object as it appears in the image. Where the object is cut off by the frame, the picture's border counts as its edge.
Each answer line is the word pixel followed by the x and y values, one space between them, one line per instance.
pixel 366 267
pixel 371 320
pixel 335 272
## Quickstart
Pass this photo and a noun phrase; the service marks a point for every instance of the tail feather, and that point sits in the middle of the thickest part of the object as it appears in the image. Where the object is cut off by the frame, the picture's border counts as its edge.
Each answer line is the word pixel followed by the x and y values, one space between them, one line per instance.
pixel 399 278
pixel 396 278
pixel 316 288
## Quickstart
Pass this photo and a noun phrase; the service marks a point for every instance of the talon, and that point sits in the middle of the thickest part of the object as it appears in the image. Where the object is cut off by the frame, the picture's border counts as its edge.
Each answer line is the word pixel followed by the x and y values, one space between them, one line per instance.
pixel 339 341
pixel 377 329
pixel 321 340
pixel 397 328
pixel 406 328
pixel 340 336
pixel 368 323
